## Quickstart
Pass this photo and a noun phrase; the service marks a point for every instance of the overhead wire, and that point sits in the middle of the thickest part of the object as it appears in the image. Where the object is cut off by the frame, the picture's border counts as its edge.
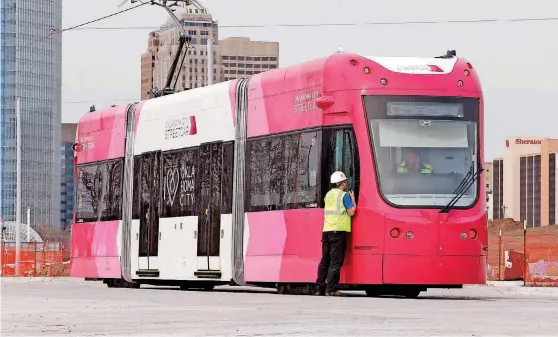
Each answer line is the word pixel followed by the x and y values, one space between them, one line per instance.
pixel 349 24
pixel 103 101
pixel 80 26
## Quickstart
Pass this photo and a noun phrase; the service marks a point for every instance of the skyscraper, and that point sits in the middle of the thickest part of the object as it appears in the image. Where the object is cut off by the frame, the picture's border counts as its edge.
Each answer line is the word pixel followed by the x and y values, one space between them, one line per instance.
pixel 67 196
pixel 253 56
pixel 31 69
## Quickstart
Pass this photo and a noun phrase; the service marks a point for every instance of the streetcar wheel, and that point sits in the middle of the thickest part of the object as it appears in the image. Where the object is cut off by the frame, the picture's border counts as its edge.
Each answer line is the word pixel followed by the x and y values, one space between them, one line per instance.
pixel 283 289
pixel 372 293
pixel 208 287
pixel 411 293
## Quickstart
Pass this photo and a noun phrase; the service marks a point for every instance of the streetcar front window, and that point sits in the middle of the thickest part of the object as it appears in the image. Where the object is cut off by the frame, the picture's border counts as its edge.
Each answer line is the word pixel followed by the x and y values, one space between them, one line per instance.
pixel 424 147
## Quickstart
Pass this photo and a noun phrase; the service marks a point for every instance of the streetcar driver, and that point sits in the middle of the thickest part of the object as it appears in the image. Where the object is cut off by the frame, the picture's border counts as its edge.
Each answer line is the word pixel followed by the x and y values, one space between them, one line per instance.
pixel 413 163
pixel 340 206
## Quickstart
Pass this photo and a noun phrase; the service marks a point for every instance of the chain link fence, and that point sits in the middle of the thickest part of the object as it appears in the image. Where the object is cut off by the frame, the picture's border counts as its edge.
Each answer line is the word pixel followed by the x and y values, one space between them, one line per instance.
pixel 531 257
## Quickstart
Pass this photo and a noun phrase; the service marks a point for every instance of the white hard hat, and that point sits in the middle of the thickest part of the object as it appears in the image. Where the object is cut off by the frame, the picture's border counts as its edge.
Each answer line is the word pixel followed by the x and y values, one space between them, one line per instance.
pixel 338 177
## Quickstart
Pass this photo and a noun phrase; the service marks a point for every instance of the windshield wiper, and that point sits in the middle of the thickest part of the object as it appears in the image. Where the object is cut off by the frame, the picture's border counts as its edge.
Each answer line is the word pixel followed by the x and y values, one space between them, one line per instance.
pixel 463 187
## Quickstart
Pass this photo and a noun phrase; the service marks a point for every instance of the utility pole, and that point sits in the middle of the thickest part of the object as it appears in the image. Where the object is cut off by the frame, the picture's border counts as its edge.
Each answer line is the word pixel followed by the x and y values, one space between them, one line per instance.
pixel 18 189
pixel 28 224
pixel 18 150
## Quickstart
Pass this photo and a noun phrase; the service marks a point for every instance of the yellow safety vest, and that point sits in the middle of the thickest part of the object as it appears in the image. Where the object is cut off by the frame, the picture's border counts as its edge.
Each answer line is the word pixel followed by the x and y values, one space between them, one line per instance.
pixel 335 214
pixel 426 169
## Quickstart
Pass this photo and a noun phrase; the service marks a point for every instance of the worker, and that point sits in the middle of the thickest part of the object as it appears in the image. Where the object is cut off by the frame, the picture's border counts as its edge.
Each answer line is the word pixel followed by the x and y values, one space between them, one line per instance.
pixel 413 164
pixel 340 206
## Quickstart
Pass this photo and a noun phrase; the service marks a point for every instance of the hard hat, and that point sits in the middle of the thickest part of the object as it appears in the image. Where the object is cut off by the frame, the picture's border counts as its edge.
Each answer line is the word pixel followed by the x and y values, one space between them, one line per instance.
pixel 338 177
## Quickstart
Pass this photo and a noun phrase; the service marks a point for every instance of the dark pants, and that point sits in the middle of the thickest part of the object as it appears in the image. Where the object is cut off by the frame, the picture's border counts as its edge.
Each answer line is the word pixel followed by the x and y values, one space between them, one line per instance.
pixel 334 245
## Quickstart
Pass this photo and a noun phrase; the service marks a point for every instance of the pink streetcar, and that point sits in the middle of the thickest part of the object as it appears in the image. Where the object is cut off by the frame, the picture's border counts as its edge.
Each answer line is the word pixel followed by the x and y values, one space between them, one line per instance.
pixel 225 184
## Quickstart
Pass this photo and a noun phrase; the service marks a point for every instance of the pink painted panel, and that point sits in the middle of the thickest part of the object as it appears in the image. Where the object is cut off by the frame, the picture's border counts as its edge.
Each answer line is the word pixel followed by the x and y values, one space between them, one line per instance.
pixel 101 135
pixel 409 269
pixel 94 250
pixel 95 239
pixel 95 267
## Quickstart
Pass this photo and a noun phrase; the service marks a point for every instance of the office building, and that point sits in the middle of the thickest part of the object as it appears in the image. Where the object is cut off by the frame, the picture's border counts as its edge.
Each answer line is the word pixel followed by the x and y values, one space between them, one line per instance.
pixel 232 58
pixel 148 64
pixel 31 69
pixel 163 46
pixel 488 184
pixel 488 177
pixel 67 195
pixel 242 58
pixel 524 181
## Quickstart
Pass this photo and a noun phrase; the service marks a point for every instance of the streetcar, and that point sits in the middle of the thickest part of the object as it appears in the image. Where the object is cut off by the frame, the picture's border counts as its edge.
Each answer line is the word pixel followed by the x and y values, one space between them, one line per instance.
pixel 225 184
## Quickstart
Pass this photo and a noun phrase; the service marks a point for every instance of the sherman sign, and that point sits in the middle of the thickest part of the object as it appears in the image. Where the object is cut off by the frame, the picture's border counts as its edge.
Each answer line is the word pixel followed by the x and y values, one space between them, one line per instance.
pixel 520 141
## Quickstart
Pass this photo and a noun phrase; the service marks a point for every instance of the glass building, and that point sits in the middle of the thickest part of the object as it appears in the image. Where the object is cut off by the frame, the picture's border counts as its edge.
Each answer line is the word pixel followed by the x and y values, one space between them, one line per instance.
pixel 31 69
pixel 67 195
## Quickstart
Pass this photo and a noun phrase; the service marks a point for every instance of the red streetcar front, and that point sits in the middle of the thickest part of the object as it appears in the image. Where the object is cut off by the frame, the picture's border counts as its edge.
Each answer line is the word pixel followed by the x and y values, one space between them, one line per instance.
pixel 421 215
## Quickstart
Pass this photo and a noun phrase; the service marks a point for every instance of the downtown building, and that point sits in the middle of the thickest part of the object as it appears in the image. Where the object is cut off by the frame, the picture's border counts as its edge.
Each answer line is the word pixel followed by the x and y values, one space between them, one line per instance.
pixel 67 185
pixel 232 58
pixel 524 181
pixel 31 70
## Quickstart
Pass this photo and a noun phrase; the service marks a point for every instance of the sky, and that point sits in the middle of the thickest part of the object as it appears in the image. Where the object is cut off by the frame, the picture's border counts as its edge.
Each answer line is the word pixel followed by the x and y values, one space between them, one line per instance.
pixel 517 61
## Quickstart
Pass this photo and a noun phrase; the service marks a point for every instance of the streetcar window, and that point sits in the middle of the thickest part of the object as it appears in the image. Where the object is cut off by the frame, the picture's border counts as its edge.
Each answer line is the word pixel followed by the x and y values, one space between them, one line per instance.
pixel 339 153
pixel 282 172
pixel 227 178
pixel 423 148
pixel 308 162
pixel 290 167
pixel 89 189
pixel 136 210
pixel 99 191
pixel 112 196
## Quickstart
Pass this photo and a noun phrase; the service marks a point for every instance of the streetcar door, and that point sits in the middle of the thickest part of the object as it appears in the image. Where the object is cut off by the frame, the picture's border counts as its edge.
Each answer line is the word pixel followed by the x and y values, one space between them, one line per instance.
pixel 150 196
pixel 209 214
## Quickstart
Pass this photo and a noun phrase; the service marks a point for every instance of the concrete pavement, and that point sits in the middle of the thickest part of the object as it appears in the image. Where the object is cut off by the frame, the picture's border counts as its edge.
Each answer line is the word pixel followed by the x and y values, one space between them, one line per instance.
pixel 72 307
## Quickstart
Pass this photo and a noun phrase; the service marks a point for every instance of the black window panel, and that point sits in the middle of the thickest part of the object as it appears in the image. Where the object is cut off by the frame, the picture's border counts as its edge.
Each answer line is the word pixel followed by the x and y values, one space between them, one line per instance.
pixel 339 153
pixel 155 205
pixel 146 211
pixel 258 175
pixel 179 183
pixel 530 191
pixel 228 178
pixel 204 186
pixel 308 167
pixel 289 165
pixel 112 196
pixel 275 176
pixel 282 171
pixel 351 161
pixel 292 170
pixel 523 188
pixel 497 189
pixel 215 211
pixel 89 190
pixel 552 189
pixel 99 191
pixel 537 191
pixel 136 203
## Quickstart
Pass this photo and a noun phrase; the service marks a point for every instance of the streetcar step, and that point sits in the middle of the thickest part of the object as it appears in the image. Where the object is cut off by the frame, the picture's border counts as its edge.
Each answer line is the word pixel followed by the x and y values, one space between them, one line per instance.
pixel 212 274
pixel 148 273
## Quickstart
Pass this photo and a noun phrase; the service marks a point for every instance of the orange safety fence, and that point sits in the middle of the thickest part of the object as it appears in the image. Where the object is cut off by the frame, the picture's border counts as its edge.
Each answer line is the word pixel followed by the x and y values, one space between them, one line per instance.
pixel 542 260
pixel 34 257
pixel 507 258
